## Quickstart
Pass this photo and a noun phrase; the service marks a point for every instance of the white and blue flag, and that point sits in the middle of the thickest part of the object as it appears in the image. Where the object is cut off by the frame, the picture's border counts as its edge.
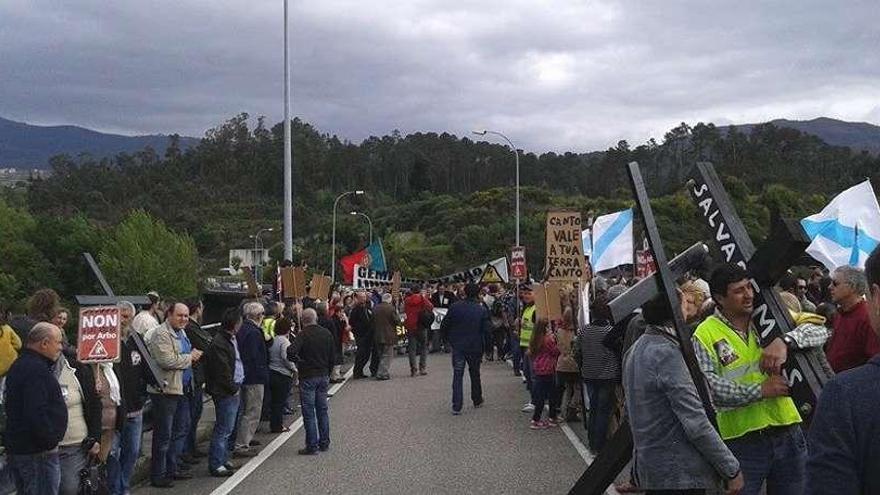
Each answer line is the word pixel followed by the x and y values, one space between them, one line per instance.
pixel 612 240
pixel 587 243
pixel 847 230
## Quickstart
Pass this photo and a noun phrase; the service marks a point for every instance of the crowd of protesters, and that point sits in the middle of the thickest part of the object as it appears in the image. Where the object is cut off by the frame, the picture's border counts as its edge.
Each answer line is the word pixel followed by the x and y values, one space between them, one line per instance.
pixel 63 417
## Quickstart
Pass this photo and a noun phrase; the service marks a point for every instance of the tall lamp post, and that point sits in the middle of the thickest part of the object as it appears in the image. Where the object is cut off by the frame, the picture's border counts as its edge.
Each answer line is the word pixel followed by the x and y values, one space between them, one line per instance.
pixel 368 221
pixel 258 244
pixel 333 247
pixel 516 154
pixel 288 159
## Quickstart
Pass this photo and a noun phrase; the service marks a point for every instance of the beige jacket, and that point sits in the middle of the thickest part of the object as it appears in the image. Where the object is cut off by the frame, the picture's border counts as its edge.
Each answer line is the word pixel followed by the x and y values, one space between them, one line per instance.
pixel 164 347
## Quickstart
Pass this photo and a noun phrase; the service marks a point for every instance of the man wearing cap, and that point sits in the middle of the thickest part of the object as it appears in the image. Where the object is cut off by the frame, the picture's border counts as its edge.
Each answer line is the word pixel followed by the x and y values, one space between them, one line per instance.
pixel 148 318
pixel 466 326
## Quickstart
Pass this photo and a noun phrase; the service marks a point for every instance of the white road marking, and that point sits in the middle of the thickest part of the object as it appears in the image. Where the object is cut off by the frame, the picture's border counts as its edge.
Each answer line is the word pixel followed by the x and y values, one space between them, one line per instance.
pixel 252 465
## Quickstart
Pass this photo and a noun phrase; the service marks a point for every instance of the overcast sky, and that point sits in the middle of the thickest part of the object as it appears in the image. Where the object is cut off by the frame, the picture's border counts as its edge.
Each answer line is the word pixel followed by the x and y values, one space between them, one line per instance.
pixel 563 75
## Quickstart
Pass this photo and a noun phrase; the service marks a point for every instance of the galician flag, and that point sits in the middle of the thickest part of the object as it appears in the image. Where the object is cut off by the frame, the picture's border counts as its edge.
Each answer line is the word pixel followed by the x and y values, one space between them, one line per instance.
pixel 612 240
pixel 847 230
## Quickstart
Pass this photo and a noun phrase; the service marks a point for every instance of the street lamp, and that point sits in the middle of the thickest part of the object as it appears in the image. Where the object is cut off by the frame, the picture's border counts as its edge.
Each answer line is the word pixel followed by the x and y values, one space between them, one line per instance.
pixel 333 248
pixel 258 243
pixel 516 154
pixel 368 220
pixel 288 158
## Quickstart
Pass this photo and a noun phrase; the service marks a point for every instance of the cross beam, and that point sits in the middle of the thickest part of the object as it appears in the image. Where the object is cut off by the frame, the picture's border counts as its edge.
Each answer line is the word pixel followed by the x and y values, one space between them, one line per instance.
pixel 110 299
pixel 601 473
pixel 770 317
pixel 648 287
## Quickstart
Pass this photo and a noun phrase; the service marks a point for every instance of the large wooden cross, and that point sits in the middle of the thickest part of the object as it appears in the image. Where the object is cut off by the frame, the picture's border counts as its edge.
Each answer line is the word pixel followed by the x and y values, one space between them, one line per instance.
pixel 110 298
pixel 765 265
pixel 618 451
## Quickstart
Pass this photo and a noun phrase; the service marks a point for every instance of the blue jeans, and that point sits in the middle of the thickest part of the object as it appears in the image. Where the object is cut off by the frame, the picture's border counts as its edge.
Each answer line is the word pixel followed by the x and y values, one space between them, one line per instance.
pixel 196 404
pixel 601 406
pixel 472 359
pixel 226 410
pixel 779 459
pixel 526 368
pixel 124 455
pixel 36 474
pixel 543 390
pixel 166 427
pixel 316 419
pixel 179 432
pixel 73 460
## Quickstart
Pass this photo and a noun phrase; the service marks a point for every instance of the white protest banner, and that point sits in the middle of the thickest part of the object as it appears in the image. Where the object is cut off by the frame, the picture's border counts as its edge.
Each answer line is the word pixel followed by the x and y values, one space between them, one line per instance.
pixel 364 278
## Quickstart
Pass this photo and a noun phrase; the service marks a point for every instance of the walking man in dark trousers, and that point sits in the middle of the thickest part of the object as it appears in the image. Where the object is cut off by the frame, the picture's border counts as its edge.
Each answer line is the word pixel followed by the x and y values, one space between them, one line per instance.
pixel 466 326
pixel 314 352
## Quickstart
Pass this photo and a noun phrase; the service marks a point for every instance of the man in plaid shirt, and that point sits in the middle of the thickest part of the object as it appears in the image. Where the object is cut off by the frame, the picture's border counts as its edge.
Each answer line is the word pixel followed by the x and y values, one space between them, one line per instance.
pixel 756 417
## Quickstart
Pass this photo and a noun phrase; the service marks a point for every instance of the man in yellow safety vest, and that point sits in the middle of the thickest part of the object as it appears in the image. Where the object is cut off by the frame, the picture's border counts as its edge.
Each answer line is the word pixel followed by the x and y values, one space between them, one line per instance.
pixel 756 417
pixel 526 327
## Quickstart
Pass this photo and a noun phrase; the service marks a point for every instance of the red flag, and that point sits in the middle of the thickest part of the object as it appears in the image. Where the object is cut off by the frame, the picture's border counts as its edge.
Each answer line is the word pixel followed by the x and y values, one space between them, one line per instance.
pixel 348 263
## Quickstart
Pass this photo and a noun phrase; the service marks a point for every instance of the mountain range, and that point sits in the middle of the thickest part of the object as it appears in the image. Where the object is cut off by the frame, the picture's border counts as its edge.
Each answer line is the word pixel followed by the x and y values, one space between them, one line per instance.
pixel 855 135
pixel 30 146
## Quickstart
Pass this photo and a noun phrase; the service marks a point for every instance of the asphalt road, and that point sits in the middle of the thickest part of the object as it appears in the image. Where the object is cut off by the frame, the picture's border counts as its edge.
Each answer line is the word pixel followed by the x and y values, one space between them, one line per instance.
pixel 398 436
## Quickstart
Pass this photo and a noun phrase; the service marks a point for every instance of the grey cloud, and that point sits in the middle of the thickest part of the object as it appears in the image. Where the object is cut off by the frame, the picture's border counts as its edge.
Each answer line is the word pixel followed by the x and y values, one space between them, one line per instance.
pixel 565 75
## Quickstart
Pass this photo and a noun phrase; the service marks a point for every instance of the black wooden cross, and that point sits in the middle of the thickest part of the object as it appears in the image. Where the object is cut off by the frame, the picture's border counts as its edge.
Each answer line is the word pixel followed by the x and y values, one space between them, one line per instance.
pixel 618 451
pixel 110 299
pixel 765 265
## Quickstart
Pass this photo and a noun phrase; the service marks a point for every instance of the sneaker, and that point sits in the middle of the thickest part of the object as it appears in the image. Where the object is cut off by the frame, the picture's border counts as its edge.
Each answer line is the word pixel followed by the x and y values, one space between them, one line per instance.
pixel 529 407
pixel 524 379
pixel 413 373
pixel 479 403
pixel 537 425
pixel 517 373
pixel 221 472
pixel 323 448
pixel 230 466
pixel 307 451
pixel 456 413
pixel 551 423
pixel 423 372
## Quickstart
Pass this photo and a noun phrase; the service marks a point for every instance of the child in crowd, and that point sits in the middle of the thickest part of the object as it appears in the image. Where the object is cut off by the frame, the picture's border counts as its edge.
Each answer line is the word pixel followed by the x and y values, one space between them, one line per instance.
pixel 543 353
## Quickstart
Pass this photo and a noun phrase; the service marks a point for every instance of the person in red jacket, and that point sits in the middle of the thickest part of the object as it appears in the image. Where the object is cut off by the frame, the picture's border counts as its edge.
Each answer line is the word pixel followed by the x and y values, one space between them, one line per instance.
pixel 419 318
pixel 853 342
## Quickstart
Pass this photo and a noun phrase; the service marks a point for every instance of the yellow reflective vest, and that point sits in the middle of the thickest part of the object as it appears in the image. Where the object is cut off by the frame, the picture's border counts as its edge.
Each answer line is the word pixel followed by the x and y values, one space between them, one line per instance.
pixel 528 326
pixel 739 361
pixel 268 329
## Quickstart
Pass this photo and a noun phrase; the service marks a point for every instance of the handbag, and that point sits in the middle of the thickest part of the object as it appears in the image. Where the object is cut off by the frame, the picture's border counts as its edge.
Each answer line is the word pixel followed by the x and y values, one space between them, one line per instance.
pixel 93 479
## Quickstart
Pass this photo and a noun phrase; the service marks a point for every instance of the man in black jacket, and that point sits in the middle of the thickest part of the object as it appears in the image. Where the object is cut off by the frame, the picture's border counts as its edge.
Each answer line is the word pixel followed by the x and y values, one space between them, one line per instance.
pixel 224 374
pixel 200 340
pixel 132 372
pixel 313 351
pixel 361 321
pixel 36 414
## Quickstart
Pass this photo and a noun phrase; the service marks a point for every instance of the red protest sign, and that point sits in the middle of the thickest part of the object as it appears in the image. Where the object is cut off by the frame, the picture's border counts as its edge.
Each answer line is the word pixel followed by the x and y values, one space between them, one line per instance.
pixel 518 263
pixel 98 340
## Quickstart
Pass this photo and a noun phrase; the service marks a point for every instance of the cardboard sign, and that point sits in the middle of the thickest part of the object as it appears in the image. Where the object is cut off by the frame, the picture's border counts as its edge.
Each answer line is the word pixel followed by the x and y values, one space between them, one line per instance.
pixel 518 268
pixel 395 286
pixel 548 300
pixel 98 338
pixel 293 281
pixel 253 287
pixel 320 287
pixel 565 257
